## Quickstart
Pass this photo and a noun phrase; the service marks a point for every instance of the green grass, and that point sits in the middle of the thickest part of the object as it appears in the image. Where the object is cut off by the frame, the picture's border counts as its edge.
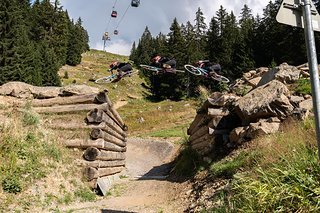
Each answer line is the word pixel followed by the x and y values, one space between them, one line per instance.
pixel 85 194
pixel 303 87
pixel 284 176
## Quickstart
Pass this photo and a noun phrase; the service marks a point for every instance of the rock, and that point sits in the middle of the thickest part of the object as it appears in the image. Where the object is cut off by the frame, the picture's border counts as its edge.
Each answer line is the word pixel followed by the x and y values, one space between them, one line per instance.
pixel 78 90
pixel 287 74
pixel 300 113
pixel 266 101
pixel 296 99
pixel 261 128
pixel 24 90
pixel 306 104
pixel 141 120
pixel 237 135
pixel 254 82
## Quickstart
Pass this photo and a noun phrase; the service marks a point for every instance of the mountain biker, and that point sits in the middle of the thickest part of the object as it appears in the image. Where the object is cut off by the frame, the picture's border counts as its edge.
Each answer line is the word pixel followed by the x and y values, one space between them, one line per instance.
pixel 163 62
pixel 123 68
pixel 212 68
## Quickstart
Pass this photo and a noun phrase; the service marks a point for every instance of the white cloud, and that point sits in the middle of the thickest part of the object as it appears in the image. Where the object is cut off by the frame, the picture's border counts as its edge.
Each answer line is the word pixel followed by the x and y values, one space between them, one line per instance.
pixel 120 47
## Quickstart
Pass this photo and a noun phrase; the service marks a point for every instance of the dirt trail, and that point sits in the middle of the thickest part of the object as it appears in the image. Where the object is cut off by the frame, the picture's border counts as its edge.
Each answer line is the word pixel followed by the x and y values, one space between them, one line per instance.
pixel 145 189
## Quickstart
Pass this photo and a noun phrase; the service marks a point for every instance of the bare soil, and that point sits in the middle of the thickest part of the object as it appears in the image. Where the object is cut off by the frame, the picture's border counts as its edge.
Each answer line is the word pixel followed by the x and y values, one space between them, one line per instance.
pixel 145 189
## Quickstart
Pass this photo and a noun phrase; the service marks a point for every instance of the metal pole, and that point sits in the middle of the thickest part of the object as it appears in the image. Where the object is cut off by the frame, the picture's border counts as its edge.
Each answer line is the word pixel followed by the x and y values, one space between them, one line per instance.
pixel 313 65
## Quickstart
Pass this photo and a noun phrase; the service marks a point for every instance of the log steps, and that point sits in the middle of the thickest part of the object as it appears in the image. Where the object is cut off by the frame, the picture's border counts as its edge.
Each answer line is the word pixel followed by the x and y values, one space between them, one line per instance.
pixel 104 149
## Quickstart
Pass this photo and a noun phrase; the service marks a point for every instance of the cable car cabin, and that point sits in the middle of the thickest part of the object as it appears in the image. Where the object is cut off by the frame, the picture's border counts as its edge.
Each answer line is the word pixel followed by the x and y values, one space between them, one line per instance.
pixel 114 14
pixel 116 32
pixel 135 3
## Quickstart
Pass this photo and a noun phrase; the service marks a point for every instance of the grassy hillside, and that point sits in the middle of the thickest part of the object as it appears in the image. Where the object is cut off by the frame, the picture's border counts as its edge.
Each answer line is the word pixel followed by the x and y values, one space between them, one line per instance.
pixel 35 166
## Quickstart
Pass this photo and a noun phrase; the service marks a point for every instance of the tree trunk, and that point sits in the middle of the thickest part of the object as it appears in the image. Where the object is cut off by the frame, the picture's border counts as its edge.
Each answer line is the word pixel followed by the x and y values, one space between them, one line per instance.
pixel 101 164
pixel 92 154
pixel 67 108
pixel 202 122
pixel 201 139
pixel 99 143
pixel 203 130
pixel 98 133
pixel 203 144
pixel 92 173
pixel 75 99
pixel 102 97
pixel 99 116
pixel 102 126
pixel 194 123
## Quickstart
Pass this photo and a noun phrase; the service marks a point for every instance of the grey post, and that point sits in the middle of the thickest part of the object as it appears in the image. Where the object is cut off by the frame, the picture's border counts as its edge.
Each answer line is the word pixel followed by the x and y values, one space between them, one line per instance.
pixel 313 65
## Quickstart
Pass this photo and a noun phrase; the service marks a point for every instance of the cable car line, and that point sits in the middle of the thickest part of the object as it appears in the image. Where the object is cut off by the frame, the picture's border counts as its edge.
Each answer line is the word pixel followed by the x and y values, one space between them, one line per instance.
pixel 122 16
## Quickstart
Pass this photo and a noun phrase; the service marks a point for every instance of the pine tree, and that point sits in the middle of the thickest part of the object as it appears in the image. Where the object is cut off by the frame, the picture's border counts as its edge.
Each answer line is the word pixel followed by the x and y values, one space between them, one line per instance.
pixel 243 50
pixel 200 33
pixel 18 61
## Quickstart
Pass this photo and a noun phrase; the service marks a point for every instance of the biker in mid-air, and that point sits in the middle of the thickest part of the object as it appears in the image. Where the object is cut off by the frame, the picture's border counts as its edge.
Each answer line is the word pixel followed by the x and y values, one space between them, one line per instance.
pixel 212 68
pixel 123 68
pixel 167 64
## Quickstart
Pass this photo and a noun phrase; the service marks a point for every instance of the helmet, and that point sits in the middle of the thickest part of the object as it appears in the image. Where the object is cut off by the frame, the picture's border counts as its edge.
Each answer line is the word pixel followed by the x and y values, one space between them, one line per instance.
pixel 156 58
pixel 113 64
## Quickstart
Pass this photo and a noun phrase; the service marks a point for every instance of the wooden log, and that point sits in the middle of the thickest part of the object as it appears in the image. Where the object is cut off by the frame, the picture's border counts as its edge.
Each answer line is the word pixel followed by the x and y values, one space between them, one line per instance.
pixel 92 173
pixel 203 122
pixel 98 133
pixel 99 143
pixel 67 108
pixel 75 99
pixel 203 130
pixel 101 126
pixel 195 123
pixel 102 97
pixel 92 154
pixel 201 139
pixel 98 116
pixel 205 143
pixel 101 164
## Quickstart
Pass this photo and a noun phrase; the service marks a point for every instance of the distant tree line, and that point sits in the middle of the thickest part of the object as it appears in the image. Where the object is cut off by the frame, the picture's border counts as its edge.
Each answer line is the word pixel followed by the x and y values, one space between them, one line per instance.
pixel 36 40
pixel 238 45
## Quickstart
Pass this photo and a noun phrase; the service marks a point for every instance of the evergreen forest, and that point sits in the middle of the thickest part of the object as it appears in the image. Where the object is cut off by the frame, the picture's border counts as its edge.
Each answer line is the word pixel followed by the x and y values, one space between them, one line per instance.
pixel 36 40
pixel 237 44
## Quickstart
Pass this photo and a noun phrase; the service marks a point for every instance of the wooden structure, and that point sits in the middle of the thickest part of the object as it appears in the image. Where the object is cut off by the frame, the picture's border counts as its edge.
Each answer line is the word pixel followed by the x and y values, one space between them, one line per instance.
pixel 211 124
pixel 104 148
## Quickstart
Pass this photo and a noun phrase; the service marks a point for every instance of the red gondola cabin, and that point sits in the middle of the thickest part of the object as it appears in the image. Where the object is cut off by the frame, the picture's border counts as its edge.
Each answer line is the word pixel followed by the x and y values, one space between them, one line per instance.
pixel 114 14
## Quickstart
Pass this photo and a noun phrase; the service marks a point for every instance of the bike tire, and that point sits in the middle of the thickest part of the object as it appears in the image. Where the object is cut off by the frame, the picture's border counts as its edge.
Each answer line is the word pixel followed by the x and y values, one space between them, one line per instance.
pixel 192 69
pixel 151 68
pixel 221 78
pixel 105 80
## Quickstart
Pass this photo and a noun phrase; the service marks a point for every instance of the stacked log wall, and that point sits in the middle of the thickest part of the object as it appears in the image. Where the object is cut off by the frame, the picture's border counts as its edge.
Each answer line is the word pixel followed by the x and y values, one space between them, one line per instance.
pixel 104 148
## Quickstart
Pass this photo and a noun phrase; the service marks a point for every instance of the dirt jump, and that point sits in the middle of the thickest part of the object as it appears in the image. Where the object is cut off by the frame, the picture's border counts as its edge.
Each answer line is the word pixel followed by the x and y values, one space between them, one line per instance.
pixel 143 187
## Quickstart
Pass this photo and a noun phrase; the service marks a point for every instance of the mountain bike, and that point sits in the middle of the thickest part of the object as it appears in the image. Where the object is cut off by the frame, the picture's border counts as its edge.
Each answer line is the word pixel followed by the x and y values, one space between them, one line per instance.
pixel 202 72
pixel 114 77
pixel 160 70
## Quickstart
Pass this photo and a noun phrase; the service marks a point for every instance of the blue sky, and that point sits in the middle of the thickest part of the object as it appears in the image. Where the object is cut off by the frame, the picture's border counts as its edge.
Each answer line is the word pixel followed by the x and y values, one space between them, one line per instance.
pixel 157 15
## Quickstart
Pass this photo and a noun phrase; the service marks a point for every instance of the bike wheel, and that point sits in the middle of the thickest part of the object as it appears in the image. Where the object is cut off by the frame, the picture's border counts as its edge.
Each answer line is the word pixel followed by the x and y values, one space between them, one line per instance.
pixel 105 80
pixel 221 78
pixel 192 69
pixel 151 68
